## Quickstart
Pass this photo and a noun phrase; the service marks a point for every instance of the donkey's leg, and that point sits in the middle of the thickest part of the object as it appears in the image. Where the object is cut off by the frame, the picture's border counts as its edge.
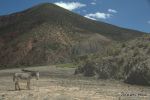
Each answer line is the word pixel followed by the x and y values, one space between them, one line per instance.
pixel 18 85
pixel 15 85
pixel 28 84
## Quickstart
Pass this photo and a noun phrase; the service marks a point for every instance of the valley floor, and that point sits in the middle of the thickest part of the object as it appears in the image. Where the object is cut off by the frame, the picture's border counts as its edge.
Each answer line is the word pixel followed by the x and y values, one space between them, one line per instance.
pixel 60 84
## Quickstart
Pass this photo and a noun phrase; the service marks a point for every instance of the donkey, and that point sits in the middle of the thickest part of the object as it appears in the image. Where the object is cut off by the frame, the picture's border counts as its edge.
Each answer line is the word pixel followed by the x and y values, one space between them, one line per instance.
pixel 25 75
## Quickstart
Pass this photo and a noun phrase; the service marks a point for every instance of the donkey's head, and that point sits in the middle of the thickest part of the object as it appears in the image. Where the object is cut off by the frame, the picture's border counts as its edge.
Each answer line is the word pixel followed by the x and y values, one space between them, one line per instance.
pixel 35 74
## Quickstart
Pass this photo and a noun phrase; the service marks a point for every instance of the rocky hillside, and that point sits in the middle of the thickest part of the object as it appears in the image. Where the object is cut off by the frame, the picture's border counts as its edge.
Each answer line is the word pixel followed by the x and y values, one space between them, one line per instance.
pixel 48 34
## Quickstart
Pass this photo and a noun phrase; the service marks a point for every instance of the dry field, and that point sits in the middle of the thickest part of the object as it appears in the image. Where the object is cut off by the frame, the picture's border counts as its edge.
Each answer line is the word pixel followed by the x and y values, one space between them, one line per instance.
pixel 60 84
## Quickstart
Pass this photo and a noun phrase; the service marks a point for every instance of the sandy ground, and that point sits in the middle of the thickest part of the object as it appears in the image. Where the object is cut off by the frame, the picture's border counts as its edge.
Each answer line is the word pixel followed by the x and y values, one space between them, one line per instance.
pixel 61 84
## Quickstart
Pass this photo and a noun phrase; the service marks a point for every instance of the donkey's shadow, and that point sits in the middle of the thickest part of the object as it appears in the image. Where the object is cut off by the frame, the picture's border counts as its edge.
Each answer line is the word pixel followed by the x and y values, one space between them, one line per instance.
pixel 19 90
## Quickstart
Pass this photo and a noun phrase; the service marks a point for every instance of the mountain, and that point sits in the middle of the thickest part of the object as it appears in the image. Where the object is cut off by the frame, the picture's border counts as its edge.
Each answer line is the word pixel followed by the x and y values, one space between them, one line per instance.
pixel 48 34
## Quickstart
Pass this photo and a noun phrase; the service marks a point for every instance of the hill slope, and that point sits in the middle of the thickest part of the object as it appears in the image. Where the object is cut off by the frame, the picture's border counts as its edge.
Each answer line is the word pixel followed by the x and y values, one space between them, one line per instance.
pixel 47 34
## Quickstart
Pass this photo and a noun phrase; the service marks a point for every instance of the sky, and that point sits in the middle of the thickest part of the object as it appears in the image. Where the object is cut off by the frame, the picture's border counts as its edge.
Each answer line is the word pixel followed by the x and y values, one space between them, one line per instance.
pixel 132 14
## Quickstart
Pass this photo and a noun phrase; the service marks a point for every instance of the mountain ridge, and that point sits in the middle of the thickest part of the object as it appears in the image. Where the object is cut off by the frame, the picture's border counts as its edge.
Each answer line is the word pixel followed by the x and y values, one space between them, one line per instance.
pixel 58 12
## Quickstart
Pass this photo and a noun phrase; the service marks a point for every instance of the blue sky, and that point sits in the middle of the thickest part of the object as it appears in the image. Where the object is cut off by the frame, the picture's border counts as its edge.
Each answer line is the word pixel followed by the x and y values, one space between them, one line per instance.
pixel 133 14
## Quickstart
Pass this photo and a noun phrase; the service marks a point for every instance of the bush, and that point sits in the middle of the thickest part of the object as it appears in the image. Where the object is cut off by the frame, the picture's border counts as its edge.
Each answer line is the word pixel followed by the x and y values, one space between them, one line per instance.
pixel 88 69
pixel 139 75
pixel 78 70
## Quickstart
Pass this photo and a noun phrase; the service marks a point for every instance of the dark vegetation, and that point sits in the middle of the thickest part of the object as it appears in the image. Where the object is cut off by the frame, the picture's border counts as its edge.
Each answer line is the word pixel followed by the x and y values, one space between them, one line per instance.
pixel 129 62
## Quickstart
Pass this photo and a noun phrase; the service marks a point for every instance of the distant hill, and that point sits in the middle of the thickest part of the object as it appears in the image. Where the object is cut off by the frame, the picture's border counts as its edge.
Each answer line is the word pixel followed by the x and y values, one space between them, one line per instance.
pixel 48 34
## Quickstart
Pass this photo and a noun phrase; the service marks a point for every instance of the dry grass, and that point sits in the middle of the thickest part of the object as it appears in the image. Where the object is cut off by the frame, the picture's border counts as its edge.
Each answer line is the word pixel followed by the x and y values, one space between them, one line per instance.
pixel 61 84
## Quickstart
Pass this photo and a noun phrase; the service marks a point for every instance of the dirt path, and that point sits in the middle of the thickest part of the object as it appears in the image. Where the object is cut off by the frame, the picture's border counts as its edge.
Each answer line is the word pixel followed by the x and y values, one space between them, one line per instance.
pixel 61 84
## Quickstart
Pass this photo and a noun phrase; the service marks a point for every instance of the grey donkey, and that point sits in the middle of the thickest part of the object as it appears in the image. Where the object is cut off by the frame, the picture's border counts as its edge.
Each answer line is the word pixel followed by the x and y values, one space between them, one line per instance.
pixel 24 75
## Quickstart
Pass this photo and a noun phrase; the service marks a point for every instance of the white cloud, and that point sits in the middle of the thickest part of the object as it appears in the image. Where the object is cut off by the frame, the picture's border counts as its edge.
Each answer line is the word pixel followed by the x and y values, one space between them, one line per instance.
pixel 112 11
pixel 148 22
pixel 98 15
pixel 89 17
pixel 93 3
pixel 70 5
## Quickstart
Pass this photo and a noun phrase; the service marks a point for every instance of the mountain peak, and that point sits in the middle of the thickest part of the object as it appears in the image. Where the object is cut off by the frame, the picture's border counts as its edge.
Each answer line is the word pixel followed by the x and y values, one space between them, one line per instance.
pixel 45 5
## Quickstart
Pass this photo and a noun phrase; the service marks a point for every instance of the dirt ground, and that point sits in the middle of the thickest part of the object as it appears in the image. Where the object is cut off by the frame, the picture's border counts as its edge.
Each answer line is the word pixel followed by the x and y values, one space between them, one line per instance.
pixel 60 84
